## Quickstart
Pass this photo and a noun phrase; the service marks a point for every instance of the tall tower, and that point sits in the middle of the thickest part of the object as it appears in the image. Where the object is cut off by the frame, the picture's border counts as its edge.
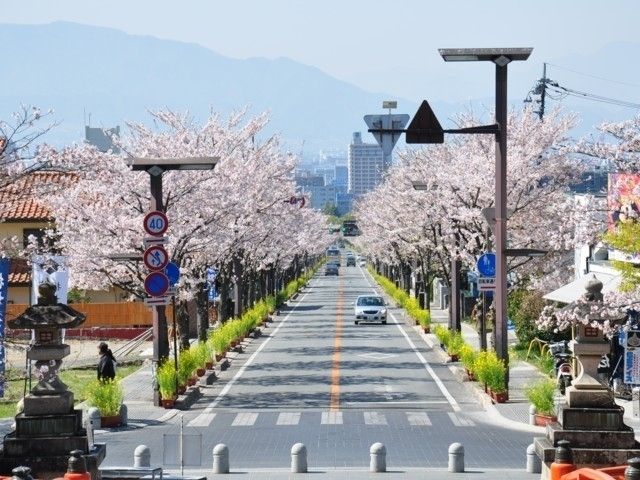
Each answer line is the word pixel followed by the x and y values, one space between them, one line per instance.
pixel 366 165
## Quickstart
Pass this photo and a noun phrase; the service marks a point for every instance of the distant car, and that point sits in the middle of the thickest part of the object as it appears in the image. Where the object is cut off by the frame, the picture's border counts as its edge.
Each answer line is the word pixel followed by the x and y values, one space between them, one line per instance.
pixel 351 260
pixel 331 269
pixel 370 308
pixel 362 262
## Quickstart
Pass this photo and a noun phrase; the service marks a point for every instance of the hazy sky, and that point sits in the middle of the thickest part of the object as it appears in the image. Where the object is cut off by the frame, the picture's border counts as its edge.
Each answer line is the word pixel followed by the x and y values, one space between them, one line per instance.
pixel 379 45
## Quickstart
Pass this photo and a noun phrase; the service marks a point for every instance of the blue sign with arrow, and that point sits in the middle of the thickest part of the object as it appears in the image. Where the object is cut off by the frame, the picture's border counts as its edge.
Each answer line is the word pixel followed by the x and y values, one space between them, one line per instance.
pixel 487 264
pixel 172 271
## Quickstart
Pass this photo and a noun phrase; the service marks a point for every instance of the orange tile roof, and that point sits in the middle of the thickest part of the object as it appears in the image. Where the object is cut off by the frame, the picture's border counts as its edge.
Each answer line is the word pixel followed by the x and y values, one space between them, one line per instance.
pixel 19 272
pixel 18 200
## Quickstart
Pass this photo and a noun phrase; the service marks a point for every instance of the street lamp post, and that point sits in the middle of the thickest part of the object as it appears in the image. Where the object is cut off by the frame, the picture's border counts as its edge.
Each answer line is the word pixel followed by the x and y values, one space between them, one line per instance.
pixel 501 57
pixel 155 167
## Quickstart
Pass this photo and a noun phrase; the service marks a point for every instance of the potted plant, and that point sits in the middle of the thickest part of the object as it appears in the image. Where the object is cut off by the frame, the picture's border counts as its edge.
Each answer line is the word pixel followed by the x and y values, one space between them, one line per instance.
pixel 186 366
pixel 454 345
pixel 495 372
pixel 106 396
pixel 541 395
pixel 167 381
pixel 200 353
pixel 468 358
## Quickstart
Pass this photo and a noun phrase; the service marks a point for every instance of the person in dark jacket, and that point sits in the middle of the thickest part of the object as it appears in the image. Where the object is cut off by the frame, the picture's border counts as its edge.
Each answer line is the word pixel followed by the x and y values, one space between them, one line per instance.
pixel 106 364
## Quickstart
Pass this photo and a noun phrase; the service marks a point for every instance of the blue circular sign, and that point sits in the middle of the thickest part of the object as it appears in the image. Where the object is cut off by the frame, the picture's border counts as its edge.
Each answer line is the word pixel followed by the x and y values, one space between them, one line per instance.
pixel 172 271
pixel 156 284
pixel 487 264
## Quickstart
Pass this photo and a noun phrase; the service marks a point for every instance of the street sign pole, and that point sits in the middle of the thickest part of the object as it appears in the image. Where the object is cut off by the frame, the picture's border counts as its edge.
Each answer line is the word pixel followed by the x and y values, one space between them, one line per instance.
pixel 159 315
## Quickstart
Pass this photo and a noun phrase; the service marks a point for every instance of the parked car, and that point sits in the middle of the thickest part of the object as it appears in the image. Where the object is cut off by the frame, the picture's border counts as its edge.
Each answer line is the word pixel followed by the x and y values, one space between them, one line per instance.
pixel 331 269
pixel 370 308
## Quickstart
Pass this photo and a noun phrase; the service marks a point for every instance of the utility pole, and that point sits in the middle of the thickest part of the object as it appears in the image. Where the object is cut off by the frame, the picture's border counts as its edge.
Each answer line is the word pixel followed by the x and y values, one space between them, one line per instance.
pixel 543 93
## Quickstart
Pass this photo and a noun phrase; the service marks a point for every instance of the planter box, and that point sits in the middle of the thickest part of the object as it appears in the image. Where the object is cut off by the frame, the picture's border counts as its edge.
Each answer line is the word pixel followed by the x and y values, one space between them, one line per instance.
pixel 502 397
pixel 453 358
pixel 426 329
pixel 200 371
pixel 182 389
pixel 168 402
pixel 110 421
pixel 544 420
pixel 470 375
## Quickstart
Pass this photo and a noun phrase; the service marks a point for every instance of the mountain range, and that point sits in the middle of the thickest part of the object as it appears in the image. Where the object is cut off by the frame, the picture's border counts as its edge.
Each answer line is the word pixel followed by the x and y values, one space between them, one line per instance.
pixel 106 77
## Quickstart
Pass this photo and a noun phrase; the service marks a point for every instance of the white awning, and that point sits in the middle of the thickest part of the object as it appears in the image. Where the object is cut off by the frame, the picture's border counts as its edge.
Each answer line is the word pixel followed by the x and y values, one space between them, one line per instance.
pixel 573 291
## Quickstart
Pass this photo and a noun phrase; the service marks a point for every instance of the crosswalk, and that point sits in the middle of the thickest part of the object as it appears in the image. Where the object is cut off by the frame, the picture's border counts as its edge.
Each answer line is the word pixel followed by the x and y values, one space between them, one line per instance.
pixel 331 417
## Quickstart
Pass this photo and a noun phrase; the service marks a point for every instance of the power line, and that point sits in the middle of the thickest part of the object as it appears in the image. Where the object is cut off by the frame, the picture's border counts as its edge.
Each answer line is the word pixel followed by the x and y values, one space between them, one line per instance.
pixel 597 98
pixel 595 76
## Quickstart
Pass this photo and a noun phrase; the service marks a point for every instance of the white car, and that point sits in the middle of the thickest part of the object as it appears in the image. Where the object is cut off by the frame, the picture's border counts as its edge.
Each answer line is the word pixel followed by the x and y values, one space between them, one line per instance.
pixel 370 308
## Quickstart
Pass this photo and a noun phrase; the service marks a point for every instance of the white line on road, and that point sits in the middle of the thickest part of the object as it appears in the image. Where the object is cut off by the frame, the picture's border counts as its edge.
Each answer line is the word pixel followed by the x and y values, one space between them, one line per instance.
pixel 374 418
pixel 418 418
pixel 245 419
pixel 443 389
pixel 458 421
pixel 332 417
pixel 202 420
pixel 249 361
pixel 288 418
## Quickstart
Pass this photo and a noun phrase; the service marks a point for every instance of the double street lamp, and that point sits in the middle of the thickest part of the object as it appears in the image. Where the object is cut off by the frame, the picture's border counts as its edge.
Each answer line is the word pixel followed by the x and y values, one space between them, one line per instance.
pixel 155 167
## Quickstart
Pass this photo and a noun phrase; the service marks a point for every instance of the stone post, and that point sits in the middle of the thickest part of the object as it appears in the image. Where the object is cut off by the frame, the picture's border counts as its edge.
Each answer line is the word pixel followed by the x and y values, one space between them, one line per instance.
pixel 142 456
pixel 456 458
pixel 299 458
pixel 378 462
pixel 633 470
pixel 534 464
pixel 220 458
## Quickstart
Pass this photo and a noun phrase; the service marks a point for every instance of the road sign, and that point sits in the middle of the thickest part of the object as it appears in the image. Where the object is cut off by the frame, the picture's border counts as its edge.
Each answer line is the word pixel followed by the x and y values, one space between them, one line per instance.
pixel 486 284
pixel 487 264
pixel 155 257
pixel 149 241
pixel 156 223
pixel 172 271
pixel 152 301
pixel 156 284
pixel 387 140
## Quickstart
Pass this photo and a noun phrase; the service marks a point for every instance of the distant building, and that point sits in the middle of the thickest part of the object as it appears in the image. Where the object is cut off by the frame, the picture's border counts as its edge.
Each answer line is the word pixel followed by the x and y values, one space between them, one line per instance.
pixel 102 138
pixel 594 181
pixel 343 202
pixel 321 195
pixel 341 176
pixel 365 166
pixel 308 179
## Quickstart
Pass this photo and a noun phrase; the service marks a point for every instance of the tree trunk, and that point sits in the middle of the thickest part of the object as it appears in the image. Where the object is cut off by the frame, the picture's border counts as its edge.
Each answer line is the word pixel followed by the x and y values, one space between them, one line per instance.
pixel 182 320
pixel 202 312
pixel 239 287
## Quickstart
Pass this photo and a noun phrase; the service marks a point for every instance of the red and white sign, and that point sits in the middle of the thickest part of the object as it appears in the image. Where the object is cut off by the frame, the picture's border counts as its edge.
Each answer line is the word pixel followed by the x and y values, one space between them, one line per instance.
pixel 156 223
pixel 155 257
pixel 486 284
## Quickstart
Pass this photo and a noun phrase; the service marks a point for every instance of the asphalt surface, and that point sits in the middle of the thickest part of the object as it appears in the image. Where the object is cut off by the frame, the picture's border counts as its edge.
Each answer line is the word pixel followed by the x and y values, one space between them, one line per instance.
pixel 315 377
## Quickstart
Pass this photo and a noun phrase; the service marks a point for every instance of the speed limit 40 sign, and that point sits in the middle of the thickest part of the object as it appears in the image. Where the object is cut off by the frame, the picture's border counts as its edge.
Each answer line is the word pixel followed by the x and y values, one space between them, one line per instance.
pixel 156 223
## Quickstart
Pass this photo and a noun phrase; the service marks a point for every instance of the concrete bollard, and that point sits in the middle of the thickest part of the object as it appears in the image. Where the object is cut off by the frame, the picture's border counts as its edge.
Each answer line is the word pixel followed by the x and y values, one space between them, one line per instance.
pixel 124 415
pixel 21 473
pixel 142 456
pixel 456 458
pixel 93 418
pixel 299 458
pixel 532 415
pixel 378 461
pixel 534 464
pixel 220 458
pixel 633 470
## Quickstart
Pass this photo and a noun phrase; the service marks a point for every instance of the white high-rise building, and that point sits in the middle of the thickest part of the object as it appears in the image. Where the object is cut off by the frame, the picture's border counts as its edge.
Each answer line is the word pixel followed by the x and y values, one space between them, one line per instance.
pixel 365 166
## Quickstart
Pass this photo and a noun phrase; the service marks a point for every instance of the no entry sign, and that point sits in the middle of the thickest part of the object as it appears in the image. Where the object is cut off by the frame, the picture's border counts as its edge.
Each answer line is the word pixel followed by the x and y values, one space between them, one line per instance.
pixel 156 284
pixel 156 223
pixel 156 257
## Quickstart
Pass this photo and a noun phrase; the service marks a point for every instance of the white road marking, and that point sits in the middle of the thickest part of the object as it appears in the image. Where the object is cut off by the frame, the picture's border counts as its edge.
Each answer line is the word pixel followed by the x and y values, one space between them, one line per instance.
pixel 418 418
pixel 331 418
pixel 245 419
pixel 288 418
pixel 459 421
pixel 202 420
pixel 249 361
pixel 374 418
pixel 432 374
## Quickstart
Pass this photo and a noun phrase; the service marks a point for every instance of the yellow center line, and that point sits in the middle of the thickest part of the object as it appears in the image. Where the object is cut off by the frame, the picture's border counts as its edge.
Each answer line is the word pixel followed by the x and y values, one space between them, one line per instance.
pixel 334 403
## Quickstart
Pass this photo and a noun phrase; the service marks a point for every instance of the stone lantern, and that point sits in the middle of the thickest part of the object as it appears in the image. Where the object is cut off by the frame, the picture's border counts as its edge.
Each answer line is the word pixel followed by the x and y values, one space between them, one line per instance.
pixel 48 427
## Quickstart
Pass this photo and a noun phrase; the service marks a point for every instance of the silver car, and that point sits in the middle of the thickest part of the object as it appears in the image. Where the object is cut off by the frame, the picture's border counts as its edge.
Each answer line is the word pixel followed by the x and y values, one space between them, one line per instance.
pixel 370 308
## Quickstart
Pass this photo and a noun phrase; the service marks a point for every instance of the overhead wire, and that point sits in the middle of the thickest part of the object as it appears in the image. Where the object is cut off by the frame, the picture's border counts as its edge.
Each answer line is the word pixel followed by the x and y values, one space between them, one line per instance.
pixel 629 84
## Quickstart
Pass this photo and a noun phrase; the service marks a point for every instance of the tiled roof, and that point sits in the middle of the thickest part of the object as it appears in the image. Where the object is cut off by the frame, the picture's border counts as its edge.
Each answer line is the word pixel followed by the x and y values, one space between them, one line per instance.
pixel 19 272
pixel 19 201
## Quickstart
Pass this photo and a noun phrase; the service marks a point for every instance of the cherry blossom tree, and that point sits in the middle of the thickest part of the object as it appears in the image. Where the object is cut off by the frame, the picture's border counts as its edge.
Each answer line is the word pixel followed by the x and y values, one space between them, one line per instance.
pixel 233 217
pixel 400 224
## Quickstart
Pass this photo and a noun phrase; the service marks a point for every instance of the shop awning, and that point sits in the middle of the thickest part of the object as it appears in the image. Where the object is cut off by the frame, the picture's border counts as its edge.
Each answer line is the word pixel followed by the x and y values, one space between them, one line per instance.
pixel 573 291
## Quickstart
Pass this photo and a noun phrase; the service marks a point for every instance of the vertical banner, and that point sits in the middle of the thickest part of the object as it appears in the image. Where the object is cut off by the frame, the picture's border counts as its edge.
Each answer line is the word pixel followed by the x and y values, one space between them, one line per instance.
pixel 52 268
pixel 631 356
pixel 4 284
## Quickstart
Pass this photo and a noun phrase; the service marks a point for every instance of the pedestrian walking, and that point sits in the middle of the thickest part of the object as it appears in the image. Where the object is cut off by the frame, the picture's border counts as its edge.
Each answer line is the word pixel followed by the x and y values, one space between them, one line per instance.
pixel 106 364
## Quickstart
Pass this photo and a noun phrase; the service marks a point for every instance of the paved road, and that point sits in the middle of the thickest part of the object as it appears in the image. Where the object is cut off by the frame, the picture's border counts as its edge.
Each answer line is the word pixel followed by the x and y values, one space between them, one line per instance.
pixel 337 387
